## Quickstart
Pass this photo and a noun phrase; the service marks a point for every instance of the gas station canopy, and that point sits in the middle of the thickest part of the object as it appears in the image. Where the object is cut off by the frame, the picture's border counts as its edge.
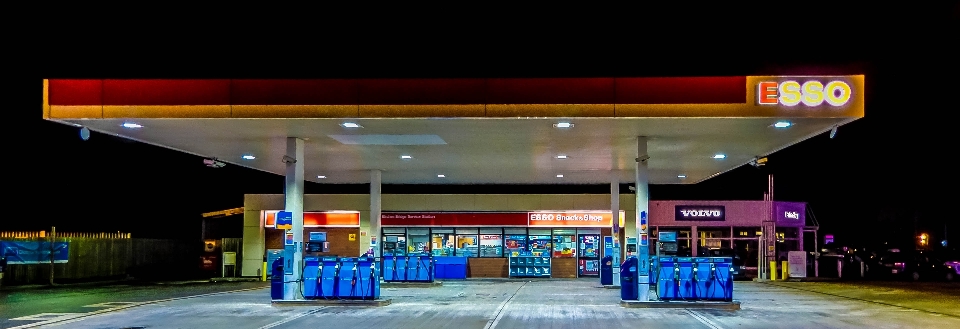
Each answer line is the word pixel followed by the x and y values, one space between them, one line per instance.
pixel 469 131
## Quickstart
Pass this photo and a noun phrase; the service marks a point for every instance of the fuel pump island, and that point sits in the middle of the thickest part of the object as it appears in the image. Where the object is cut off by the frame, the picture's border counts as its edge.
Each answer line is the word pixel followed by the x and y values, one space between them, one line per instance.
pixel 327 280
pixel 683 282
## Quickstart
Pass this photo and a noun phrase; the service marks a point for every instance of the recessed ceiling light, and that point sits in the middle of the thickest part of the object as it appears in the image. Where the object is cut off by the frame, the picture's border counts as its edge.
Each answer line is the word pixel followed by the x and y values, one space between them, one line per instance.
pixel 350 125
pixel 782 124
pixel 131 125
pixel 561 157
pixel 719 156
pixel 681 176
pixel 249 157
pixel 321 176
pixel 441 175
pixel 406 157
pixel 559 176
pixel 563 125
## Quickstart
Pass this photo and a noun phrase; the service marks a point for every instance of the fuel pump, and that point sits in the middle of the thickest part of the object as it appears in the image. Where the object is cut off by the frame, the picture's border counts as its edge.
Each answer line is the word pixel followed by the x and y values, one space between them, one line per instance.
pixel 353 280
pixel 336 280
pixel 372 280
pixel 693 278
pixel 395 264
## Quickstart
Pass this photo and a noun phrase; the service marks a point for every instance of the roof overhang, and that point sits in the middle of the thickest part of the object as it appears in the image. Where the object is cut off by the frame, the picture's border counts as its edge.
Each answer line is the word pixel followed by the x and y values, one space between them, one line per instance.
pixel 472 131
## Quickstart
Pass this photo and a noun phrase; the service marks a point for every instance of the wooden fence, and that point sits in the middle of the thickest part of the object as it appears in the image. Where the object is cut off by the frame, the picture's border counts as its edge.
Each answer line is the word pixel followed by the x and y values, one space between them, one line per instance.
pixel 97 256
pixel 43 234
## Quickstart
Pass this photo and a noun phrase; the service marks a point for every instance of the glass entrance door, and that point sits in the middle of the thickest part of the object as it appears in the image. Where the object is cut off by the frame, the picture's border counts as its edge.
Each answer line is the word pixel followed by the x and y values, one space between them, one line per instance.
pixel 589 254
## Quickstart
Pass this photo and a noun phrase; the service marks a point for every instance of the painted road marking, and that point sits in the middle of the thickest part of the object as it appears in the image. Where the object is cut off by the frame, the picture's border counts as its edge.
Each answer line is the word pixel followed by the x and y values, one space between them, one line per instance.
pixel 703 319
pixel 112 304
pixel 48 316
pixel 496 320
pixel 81 316
pixel 292 318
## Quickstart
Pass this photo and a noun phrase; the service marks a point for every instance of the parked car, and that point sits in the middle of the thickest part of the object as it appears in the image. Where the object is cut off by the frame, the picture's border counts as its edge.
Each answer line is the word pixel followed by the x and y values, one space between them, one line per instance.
pixel 739 267
pixel 917 265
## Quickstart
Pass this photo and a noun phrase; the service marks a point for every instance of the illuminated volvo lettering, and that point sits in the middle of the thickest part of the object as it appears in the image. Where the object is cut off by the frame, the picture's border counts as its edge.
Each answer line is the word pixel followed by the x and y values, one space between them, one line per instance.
pixel 809 93
pixel 700 213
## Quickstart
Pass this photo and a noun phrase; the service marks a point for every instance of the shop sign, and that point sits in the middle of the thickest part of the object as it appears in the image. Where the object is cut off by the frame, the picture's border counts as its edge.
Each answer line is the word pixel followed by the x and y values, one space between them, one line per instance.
pixel 284 220
pixel 700 213
pixel 573 219
pixel 808 93
pixel 791 214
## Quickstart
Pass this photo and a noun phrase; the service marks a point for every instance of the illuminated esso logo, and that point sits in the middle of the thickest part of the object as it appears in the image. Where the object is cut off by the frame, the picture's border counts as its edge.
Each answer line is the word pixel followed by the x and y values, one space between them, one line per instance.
pixel 541 216
pixel 810 93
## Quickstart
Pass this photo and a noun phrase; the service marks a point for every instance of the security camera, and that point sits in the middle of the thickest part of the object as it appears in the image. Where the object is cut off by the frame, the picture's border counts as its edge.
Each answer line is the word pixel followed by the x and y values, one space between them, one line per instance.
pixel 643 158
pixel 632 188
pixel 288 159
pixel 213 163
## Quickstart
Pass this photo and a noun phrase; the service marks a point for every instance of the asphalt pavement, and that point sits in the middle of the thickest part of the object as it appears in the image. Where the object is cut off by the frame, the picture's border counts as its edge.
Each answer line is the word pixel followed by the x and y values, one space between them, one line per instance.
pixel 575 303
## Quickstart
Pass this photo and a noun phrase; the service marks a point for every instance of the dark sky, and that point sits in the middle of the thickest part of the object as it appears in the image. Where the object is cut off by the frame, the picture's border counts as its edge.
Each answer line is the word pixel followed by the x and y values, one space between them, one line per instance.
pixel 878 178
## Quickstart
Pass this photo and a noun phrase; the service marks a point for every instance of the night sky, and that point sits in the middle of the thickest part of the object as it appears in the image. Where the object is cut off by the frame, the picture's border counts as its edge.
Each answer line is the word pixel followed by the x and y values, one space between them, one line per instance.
pixel 883 177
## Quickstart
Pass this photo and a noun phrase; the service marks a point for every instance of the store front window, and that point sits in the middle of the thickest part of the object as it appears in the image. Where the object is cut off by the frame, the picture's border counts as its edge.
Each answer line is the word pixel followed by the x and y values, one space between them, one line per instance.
pixel 539 242
pixel 418 240
pixel 491 245
pixel 468 242
pixel 564 245
pixel 442 242
pixel 515 241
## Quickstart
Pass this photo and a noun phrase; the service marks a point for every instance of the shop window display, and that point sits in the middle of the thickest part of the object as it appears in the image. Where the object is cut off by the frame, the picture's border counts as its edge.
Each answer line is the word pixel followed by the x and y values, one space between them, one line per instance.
pixel 442 244
pixel 516 244
pixel 467 245
pixel 539 245
pixel 491 245
pixel 564 246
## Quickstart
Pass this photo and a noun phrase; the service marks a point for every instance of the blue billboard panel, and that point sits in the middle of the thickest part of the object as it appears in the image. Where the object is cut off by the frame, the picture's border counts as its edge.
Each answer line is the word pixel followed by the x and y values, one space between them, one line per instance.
pixel 34 252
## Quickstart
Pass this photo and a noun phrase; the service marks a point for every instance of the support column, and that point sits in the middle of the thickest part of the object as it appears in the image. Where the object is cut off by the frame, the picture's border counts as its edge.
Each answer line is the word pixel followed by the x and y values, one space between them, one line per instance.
pixel 695 241
pixel 293 202
pixel 643 205
pixel 615 232
pixel 375 209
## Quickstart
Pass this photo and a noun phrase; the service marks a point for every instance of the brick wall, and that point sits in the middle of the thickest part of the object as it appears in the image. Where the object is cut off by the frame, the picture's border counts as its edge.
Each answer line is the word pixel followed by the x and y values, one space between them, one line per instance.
pixel 339 238
pixel 487 267
pixel 563 267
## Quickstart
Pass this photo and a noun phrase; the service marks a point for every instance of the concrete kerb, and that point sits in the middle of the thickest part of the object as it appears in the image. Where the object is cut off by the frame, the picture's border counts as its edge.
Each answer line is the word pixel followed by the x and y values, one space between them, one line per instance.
pixel 384 284
pixel 333 302
pixel 126 306
pixel 728 306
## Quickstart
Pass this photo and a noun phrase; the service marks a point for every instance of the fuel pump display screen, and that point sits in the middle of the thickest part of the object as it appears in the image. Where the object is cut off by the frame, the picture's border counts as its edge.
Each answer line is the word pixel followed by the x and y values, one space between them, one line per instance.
pixel 318 236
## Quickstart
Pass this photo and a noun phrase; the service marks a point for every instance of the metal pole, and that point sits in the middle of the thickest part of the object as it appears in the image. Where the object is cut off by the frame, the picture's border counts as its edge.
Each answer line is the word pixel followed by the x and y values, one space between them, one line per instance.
pixel 53 232
pixel 376 208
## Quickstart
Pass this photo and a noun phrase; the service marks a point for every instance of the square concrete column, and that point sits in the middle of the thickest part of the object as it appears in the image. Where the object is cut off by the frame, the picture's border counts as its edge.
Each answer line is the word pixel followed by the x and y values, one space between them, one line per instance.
pixel 615 231
pixel 643 205
pixel 293 202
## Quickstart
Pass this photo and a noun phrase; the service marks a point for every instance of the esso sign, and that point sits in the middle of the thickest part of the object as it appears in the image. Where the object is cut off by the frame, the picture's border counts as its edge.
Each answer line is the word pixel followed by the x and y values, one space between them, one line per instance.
pixel 810 93
pixel 541 217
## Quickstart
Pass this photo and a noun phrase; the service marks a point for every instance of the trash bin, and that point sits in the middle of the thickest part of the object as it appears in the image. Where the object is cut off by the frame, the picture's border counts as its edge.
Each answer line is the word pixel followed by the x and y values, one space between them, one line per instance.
pixel 628 279
pixel 606 271
pixel 276 280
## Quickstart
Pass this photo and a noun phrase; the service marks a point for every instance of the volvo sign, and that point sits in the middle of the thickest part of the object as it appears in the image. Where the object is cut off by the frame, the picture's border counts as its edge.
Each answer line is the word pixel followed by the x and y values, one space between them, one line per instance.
pixel 700 213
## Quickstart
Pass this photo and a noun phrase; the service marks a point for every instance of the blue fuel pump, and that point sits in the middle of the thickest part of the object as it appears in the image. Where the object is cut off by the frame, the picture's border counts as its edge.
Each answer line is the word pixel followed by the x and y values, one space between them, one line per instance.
pixel 629 276
pixel 276 279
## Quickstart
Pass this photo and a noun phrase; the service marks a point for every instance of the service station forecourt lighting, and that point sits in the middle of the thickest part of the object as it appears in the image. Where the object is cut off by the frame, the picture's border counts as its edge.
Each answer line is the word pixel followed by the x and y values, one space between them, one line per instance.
pixel 635 109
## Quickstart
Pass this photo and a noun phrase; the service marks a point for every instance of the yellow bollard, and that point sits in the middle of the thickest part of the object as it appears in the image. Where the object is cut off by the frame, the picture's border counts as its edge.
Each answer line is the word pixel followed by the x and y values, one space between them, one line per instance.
pixel 785 268
pixel 263 272
pixel 773 271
